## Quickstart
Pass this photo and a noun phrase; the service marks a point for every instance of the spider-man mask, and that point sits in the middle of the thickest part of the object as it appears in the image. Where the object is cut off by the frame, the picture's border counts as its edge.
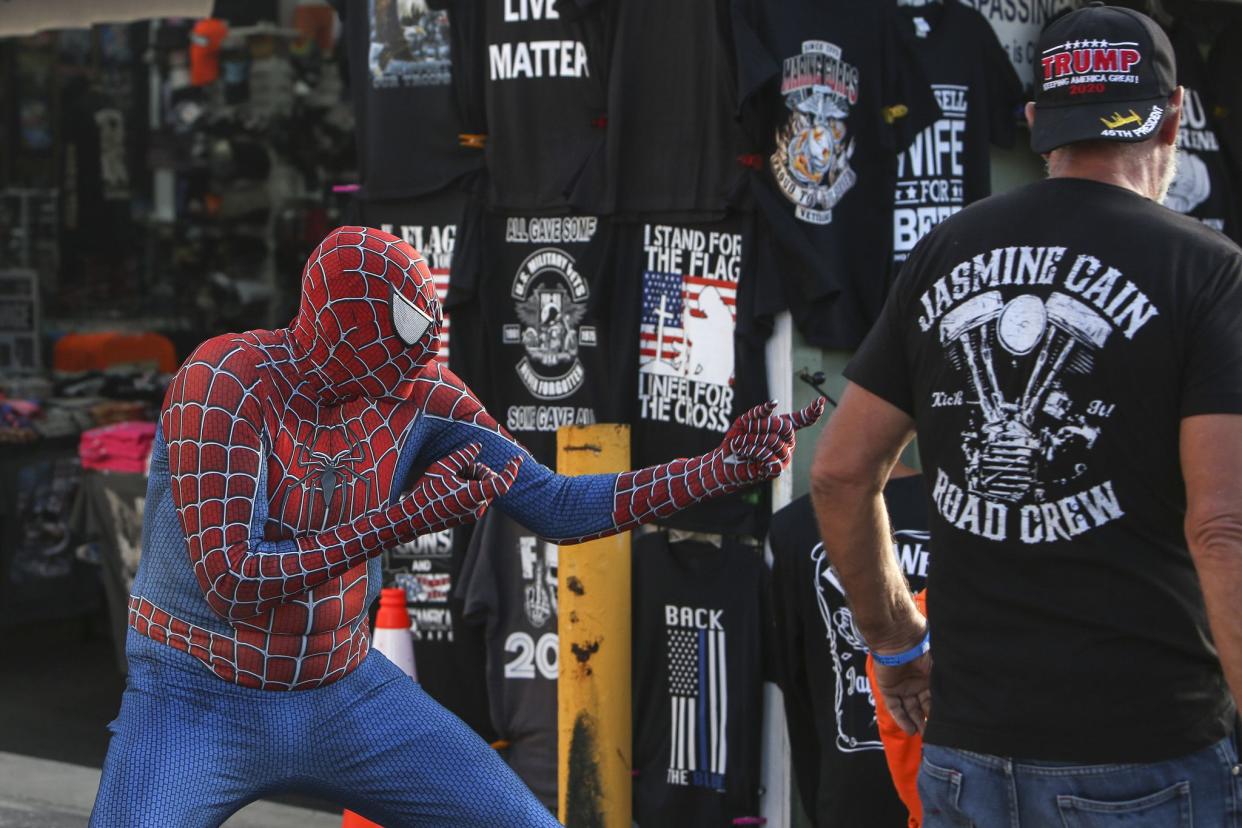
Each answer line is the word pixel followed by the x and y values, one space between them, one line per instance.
pixel 369 319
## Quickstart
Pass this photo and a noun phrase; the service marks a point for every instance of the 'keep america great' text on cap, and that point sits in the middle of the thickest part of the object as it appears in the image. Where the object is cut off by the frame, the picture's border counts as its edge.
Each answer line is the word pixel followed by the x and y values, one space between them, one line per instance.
pixel 1106 73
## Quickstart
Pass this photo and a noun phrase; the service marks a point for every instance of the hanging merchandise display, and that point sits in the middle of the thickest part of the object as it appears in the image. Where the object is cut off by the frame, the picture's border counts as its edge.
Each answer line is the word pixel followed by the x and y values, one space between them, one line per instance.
pixel 1017 26
pixel 699 642
pixel 682 338
pixel 545 99
pixel 1225 88
pixel 531 288
pixel 980 97
pixel 429 225
pixel 449 653
pixel 401 78
pixel 820 658
pixel 1202 186
pixel 509 585
pixel 840 94
pixel 673 138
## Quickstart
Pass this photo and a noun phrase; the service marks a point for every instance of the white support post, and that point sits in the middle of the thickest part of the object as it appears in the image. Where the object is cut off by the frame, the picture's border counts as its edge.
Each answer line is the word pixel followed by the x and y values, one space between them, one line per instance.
pixel 776 802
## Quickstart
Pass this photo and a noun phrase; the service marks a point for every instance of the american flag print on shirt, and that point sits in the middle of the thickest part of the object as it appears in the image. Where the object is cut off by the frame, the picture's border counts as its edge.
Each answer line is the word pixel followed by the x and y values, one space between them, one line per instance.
pixel 698 698
pixel 440 276
pixel 672 303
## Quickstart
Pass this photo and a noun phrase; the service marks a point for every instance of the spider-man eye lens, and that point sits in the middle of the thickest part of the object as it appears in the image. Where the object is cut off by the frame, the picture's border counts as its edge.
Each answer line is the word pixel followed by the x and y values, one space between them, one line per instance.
pixel 408 320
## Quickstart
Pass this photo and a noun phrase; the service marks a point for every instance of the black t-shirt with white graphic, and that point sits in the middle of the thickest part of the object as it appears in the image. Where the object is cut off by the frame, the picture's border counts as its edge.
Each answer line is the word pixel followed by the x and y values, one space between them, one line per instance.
pixel 545 99
pixel 672 135
pixel 821 664
pixel 509 584
pixel 538 366
pixel 1048 342
pixel 698 643
pixel 948 165
pixel 406 109
pixel 840 95
pixel 1202 187
pixel 679 321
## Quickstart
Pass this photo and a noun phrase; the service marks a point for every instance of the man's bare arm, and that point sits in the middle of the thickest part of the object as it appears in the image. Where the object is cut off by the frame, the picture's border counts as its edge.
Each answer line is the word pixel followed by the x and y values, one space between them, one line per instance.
pixel 1211 453
pixel 852 463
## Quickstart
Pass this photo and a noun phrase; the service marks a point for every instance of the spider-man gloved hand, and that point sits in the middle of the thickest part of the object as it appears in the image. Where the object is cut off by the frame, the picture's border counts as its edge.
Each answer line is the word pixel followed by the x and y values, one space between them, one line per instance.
pixel 757 447
pixel 456 489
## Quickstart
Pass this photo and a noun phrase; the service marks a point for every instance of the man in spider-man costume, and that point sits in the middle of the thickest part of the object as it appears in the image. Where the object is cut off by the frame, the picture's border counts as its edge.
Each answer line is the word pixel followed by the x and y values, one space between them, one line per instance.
pixel 285 463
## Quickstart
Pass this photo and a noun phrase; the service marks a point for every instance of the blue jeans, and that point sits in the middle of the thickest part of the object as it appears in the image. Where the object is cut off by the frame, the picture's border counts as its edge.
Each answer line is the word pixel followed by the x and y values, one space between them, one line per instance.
pixel 961 788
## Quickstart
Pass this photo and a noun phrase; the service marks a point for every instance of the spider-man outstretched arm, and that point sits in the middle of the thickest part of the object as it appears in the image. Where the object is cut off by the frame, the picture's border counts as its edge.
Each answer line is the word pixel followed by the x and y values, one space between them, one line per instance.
pixel 576 509
pixel 212 422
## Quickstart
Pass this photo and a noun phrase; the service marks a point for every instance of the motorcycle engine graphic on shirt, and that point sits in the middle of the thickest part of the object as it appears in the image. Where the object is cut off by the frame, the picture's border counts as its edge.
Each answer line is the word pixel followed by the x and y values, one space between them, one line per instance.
pixel 698 696
pixel 1024 358
pixel 409 44
pixel 549 299
pixel 689 312
pixel 811 164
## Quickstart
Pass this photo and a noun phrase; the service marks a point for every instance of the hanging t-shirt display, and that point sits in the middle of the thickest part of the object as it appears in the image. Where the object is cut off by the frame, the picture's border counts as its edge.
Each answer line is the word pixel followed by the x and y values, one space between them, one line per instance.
pixel 673 139
pixel 429 225
pixel 698 642
pixel 680 325
pixel 1201 187
pixel 533 294
pixel 509 584
pixel 841 95
pixel 545 99
pixel 821 664
pixel 1017 26
pixel 401 76
pixel 948 164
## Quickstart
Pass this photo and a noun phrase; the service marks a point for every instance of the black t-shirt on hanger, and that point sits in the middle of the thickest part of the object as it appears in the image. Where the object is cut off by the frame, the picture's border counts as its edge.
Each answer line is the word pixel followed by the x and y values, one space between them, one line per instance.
pixel 1048 342
pixel 406 109
pixel 820 657
pixel 673 138
pixel 948 164
pixel 840 95
pixel 1202 187
pixel 545 99
pixel 686 348
pixel 699 639
pixel 509 585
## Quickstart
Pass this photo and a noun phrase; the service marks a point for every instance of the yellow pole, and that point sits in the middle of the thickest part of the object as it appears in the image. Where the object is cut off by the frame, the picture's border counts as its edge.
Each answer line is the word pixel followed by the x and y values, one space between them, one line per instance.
pixel 593 690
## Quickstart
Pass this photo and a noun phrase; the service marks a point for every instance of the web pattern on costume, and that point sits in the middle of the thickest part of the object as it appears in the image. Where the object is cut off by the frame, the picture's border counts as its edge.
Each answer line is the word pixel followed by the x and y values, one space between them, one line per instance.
pixel 286 450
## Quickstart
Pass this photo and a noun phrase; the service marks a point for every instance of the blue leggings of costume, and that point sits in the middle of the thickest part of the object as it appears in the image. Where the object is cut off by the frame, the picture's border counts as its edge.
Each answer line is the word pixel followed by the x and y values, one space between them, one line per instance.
pixel 189 750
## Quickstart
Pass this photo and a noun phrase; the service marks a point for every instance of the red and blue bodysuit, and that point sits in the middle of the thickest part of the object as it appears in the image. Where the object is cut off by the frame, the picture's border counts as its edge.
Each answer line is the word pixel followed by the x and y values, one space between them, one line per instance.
pixel 286 461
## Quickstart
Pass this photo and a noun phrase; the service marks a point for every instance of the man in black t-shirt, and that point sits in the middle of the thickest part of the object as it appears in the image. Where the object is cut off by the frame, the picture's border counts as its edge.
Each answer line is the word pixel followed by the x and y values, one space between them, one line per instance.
pixel 1070 356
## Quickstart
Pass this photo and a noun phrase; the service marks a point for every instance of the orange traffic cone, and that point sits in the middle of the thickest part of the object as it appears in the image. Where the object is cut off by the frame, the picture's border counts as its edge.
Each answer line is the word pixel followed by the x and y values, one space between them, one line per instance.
pixel 392 631
pixel 352 820
pixel 392 638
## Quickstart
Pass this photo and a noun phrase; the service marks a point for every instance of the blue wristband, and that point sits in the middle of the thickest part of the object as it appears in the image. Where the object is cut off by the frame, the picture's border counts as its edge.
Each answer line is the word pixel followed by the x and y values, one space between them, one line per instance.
pixel 898 659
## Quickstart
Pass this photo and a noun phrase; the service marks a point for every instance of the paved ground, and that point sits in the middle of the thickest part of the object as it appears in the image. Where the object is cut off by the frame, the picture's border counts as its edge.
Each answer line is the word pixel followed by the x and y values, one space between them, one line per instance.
pixel 59 688
pixel 40 793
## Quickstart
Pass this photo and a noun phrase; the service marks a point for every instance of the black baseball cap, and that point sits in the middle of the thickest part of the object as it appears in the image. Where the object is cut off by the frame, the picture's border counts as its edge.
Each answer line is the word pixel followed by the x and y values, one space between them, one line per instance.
pixel 1105 73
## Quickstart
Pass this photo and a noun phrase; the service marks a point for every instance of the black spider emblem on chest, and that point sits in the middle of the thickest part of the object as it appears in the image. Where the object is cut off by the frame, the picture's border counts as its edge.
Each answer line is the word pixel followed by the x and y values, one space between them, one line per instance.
pixel 328 471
